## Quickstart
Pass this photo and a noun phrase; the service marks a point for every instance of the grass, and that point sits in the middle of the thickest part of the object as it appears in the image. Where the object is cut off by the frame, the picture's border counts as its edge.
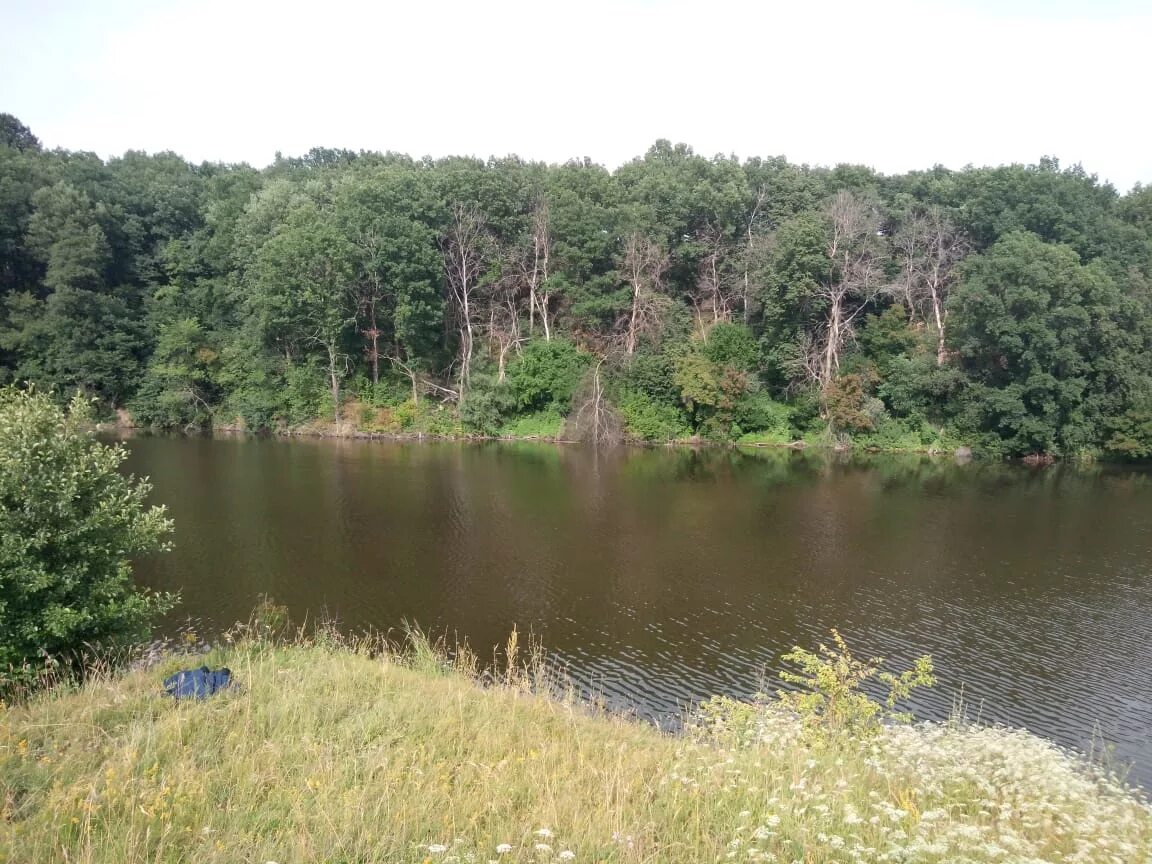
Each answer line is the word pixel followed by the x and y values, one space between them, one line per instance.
pixel 333 752
pixel 542 424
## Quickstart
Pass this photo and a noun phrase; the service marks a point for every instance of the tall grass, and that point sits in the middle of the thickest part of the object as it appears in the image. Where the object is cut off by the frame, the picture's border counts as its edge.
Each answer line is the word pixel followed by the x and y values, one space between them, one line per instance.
pixel 337 751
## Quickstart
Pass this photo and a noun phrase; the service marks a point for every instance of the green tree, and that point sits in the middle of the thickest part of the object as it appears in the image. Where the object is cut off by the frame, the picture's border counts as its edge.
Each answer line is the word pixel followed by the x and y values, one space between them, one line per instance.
pixel 1051 347
pixel 16 135
pixel 69 523
pixel 303 279
pixel 179 384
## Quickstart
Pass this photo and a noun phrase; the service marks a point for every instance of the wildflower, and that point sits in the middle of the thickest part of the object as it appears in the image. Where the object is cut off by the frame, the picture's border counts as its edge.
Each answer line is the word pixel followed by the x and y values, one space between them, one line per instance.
pixel 567 855
pixel 503 848
pixel 542 847
pixel 437 848
pixel 544 832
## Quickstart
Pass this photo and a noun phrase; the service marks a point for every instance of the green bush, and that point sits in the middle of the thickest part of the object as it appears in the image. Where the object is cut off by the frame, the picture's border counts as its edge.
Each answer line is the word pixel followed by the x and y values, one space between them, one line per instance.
pixel 69 521
pixel 484 405
pixel 306 393
pixel 649 420
pixel 759 413
pixel 732 345
pixel 546 374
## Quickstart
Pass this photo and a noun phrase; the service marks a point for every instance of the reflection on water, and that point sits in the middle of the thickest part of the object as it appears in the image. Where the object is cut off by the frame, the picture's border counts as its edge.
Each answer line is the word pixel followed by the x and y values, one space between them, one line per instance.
pixel 659 577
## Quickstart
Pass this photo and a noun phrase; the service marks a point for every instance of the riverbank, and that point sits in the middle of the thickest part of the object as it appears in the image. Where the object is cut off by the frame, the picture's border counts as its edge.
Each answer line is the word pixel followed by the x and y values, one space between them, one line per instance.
pixel 326 752
pixel 352 432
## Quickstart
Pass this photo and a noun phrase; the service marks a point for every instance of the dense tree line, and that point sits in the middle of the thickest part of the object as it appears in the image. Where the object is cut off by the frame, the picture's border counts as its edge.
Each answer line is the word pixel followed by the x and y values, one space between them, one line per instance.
pixel 1007 308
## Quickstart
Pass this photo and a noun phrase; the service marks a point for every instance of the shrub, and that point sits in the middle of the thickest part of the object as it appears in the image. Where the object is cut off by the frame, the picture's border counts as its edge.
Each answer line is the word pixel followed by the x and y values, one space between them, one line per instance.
pixel 759 413
pixel 831 698
pixel 850 407
pixel 69 521
pixel 484 405
pixel 306 393
pixel 649 420
pixel 545 375
pixel 732 345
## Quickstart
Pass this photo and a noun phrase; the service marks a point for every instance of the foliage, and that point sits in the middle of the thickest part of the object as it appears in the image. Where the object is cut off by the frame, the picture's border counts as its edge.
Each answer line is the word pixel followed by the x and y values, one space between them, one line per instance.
pixel 546 374
pixel 710 392
pixel 483 408
pixel 648 420
pixel 178 389
pixel 831 696
pixel 732 345
pixel 760 414
pixel 1010 307
pixel 1048 344
pixel 1131 433
pixel 69 522
pixel 542 424
pixel 849 405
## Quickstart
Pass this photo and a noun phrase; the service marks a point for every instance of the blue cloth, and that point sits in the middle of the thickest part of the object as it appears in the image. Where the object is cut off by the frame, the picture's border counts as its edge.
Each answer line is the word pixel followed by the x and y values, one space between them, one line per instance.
pixel 197 683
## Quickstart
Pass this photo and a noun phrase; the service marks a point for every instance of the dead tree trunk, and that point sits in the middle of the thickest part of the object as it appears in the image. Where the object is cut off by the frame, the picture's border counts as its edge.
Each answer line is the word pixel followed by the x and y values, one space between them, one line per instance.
pixel 645 263
pixel 930 248
pixel 536 272
pixel 716 283
pixel 853 275
pixel 464 247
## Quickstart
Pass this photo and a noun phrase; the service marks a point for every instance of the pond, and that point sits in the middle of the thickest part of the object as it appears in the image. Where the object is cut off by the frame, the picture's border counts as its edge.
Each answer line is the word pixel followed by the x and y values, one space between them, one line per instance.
pixel 658 577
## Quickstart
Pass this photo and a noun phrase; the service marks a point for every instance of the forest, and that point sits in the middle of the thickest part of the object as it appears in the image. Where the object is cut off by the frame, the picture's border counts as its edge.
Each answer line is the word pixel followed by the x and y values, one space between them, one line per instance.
pixel 678 297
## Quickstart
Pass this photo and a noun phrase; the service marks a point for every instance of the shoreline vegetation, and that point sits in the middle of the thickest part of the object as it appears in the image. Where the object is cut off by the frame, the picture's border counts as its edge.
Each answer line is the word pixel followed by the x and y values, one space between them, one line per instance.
pixel 341 750
pixel 348 432
pixel 677 297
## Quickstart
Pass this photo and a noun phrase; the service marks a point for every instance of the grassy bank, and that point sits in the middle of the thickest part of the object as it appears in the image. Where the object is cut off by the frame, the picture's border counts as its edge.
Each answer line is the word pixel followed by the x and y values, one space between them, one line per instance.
pixel 326 753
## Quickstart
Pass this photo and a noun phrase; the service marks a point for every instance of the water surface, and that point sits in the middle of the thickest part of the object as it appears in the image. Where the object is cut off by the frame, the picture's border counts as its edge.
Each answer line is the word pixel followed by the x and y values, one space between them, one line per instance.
pixel 659 577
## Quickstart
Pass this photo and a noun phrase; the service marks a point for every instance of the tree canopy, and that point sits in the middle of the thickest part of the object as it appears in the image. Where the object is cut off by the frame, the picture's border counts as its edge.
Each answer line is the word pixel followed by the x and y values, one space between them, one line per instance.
pixel 1005 307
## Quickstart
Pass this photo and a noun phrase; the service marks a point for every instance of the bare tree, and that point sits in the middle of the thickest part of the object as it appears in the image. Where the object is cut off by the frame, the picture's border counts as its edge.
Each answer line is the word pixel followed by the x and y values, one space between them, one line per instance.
pixel 534 269
pixel 465 250
pixel 755 241
pixel 645 263
pixel 717 286
pixel 854 277
pixel 594 418
pixel 503 325
pixel 929 247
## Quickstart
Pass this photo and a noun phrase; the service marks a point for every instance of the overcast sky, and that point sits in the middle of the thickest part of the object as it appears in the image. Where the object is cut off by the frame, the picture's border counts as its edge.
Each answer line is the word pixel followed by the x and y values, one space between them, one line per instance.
pixel 894 85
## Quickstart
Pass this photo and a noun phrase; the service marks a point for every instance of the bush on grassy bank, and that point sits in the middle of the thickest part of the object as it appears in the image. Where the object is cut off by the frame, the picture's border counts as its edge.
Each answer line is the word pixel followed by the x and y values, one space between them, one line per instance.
pixel 69 522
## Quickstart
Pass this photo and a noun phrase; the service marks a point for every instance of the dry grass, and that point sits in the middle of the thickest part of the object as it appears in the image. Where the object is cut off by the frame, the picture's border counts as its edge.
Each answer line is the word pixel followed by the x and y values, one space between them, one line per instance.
pixel 326 752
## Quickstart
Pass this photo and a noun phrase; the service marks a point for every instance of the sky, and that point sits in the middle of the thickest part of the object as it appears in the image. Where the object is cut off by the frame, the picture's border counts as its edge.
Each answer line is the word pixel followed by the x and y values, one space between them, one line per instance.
pixel 894 85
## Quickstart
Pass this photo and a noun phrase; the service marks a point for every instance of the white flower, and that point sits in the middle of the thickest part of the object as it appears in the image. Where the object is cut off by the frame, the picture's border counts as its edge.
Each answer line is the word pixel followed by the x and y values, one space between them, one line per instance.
pixel 437 848
pixel 503 848
pixel 544 832
pixel 542 847
pixel 567 855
